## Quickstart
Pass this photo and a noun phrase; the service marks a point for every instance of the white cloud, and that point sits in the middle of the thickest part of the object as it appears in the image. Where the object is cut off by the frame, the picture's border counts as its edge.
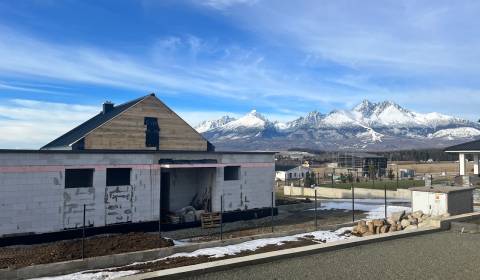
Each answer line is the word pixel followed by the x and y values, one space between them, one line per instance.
pixel 401 36
pixel 219 71
pixel 223 4
pixel 32 124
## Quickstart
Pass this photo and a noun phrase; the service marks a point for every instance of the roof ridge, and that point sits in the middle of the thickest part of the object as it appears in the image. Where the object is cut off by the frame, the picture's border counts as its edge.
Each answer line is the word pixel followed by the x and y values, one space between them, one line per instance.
pixel 78 132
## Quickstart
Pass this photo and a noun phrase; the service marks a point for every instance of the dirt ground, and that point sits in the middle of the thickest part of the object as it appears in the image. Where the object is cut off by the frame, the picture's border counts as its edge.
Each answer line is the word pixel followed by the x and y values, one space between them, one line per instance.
pixel 436 167
pixel 19 256
pixel 290 217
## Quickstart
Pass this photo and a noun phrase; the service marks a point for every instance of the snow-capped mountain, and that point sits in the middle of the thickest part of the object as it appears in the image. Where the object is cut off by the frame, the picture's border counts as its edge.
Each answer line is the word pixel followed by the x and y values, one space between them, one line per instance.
pixel 384 125
pixel 209 125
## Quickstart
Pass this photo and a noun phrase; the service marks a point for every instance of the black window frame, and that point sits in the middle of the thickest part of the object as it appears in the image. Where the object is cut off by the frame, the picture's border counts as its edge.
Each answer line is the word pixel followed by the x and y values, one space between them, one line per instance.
pixel 231 173
pixel 119 179
pixel 73 175
pixel 152 132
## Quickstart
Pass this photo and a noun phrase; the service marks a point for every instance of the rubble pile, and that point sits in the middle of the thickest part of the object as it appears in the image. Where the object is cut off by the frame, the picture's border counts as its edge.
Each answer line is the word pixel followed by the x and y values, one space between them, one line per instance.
pixel 396 222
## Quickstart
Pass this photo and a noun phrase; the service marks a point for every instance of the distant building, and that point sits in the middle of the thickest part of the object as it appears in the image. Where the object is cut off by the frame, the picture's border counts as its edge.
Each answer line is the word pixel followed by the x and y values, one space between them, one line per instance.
pixel 364 163
pixel 406 173
pixel 463 150
pixel 290 172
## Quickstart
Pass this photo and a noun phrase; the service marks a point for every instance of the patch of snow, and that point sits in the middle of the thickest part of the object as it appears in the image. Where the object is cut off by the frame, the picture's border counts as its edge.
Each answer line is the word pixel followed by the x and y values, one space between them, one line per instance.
pixel 338 118
pixel 229 250
pixel 453 133
pixel 374 211
pixel 90 275
pixel 251 120
pixel 212 124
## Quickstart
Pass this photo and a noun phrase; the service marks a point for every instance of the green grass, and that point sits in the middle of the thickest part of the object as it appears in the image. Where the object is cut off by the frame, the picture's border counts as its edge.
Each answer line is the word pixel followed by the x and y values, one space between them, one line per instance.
pixel 390 185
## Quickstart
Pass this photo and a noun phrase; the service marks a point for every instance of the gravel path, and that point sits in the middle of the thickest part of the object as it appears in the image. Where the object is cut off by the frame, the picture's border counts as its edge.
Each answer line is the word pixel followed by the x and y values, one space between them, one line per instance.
pixel 444 255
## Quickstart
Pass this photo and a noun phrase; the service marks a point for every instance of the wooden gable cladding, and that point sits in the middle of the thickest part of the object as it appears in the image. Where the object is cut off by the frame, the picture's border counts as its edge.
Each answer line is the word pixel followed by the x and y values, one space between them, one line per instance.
pixel 127 130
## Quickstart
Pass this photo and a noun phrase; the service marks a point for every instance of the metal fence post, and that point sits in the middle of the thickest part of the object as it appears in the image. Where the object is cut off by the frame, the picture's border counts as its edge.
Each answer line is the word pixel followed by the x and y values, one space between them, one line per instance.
pixel 353 203
pixel 160 213
pixel 272 209
pixel 221 217
pixel 83 232
pixel 385 190
pixel 316 223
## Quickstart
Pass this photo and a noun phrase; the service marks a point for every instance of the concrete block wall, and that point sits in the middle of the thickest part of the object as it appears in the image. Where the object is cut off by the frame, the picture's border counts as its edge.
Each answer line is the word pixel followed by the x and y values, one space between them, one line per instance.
pixel 37 201
pixel 252 190
pixel 31 202
pixel 346 193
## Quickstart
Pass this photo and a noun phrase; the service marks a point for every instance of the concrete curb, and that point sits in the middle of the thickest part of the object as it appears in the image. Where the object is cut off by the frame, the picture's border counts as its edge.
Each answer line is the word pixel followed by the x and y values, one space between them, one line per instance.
pixel 445 222
pixel 61 268
pixel 180 272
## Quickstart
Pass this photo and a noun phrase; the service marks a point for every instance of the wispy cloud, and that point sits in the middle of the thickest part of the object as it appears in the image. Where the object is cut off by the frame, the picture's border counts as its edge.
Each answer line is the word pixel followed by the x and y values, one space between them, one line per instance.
pixel 401 36
pixel 221 71
pixel 32 124
pixel 223 4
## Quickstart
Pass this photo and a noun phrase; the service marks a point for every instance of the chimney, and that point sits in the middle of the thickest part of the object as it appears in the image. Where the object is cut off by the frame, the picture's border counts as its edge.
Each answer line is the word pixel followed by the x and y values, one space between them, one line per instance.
pixel 107 107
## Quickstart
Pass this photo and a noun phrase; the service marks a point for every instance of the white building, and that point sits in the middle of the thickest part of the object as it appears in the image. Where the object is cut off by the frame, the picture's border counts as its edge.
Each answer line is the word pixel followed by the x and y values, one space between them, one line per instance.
pixel 290 172
pixel 469 148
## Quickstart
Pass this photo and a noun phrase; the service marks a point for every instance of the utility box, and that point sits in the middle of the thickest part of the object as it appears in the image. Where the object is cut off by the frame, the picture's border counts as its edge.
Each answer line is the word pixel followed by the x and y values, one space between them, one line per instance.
pixel 440 200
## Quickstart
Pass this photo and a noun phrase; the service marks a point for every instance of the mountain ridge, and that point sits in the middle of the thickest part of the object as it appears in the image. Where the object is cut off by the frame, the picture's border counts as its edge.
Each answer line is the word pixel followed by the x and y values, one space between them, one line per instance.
pixel 367 126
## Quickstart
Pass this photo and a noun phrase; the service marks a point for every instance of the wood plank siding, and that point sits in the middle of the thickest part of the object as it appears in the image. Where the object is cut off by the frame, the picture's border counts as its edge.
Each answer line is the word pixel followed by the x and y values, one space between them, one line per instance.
pixel 127 130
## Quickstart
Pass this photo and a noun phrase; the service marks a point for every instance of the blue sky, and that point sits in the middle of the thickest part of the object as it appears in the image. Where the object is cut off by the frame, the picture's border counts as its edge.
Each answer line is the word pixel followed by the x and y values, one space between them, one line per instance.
pixel 59 60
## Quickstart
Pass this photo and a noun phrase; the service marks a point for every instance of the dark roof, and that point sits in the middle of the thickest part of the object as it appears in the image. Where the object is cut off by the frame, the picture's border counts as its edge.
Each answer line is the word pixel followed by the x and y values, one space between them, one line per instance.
pixel 80 131
pixel 285 167
pixel 469 146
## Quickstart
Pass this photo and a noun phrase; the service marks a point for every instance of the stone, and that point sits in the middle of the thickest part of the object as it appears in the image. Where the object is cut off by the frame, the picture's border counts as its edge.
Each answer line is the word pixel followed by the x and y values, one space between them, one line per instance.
pixel 384 229
pixel 377 230
pixel 390 221
pixel 417 214
pixel 371 227
pixel 392 228
pixel 413 221
pixel 411 227
pixel 397 216
pixel 378 223
pixel 354 229
pixel 424 224
pixel 363 230
pixel 362 223
pixel 368 233
pixel 405 223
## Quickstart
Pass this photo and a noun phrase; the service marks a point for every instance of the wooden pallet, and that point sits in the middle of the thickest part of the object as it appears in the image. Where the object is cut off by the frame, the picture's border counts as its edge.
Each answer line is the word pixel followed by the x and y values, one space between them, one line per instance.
pixel 211 220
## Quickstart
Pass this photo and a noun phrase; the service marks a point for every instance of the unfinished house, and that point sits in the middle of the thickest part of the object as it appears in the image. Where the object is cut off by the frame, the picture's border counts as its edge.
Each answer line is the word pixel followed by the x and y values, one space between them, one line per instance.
pixel 129 164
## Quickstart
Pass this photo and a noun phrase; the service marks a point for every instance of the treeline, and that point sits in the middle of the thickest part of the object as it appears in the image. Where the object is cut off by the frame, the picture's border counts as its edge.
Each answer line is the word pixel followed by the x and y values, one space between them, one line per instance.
pixel 400 155
pixel 419 155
